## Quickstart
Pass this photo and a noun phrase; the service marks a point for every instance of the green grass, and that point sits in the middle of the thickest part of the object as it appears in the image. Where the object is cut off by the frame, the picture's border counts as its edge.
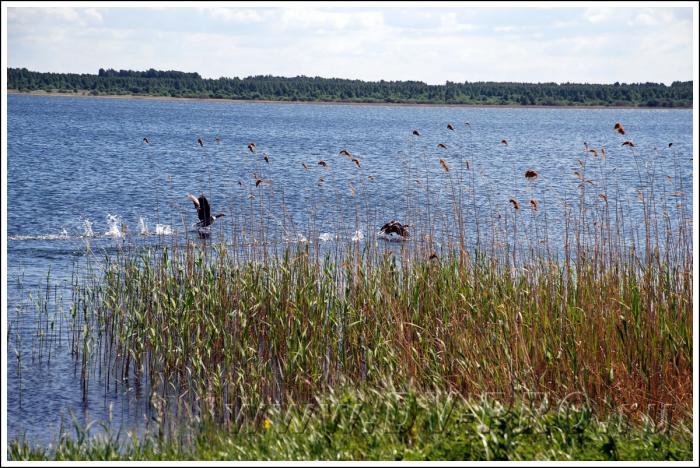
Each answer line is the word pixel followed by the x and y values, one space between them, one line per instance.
pixel 387 425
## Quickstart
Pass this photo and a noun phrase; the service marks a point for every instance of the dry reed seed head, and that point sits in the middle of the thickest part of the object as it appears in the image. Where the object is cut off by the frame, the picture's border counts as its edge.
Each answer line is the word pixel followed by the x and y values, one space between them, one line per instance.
pixel 578 174
pixel 433 256
pixel 594 151
pixel 640 195
pixel 530 174
pixel 628 143
pixel 515 203
pixel 504 142
pixel 356 161
pixel 534 204
pixel 352 189
pixel 444 165
pixel 442 145
pixel 603 197
pixel 467 164
pixel 602 151
pixel 450 127
pixel 416 132
pixel 518 318
pixel 678 194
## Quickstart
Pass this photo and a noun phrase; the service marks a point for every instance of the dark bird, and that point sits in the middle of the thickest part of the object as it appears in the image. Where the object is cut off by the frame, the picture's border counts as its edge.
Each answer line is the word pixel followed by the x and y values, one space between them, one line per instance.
pixel 670 144
pixel 534 204
pixel 515 203
pixel 203 211
pixel 433 256
pixel 217 139
pixel 467 124
pixel 441 145
pixel 444 165
pixel 395 227
pixel 145 140
pixel 322 163
pixel 504 142
pixel 251 147
pixel 628 143
pixel 201 143
pixel 530 174
pixel 620 129
pixel 266 158
pixel 356 161
pixel 258 182
pixel 594 151
pixel 450 126
pixel 416 132
pixel 345 152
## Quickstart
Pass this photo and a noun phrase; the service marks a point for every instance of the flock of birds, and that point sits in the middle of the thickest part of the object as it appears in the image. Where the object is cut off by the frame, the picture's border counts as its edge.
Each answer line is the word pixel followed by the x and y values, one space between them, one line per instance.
pixel 393 228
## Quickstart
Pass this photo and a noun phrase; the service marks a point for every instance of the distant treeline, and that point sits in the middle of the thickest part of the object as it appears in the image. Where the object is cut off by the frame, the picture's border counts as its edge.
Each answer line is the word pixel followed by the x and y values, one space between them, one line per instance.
pixel 303 88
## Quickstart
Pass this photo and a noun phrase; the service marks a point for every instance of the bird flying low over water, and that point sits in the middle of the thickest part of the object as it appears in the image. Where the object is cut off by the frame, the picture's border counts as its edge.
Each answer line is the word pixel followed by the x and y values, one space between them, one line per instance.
pixel 670 144
pixel 504 142
pixel 145 140
pixel 345 152
pixel 468 124
pixel 266 158
pixel 441 145
pixel 416 132
pixel 450 127
pixel 628 143
pixel 251 147
pixel 395 227
pixel 322 163
pixel 201 143
pixel 203 211
pixel 217 139
pixel 619 128
pixel 356 161
pixel 530 174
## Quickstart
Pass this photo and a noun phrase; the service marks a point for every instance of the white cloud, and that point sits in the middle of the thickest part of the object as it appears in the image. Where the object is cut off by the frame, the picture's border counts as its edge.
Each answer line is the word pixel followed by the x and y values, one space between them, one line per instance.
pixel 234 15
pixel 598 15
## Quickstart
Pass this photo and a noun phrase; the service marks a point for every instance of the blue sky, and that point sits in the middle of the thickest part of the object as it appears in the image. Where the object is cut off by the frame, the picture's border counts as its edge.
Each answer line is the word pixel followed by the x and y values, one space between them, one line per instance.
pixel 459 42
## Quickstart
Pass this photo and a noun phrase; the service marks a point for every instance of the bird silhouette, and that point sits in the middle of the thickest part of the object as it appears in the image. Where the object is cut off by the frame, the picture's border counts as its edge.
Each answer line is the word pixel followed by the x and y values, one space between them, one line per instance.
pixel 203 211
pixel 322 163
pixel 450 127
pixel 620 129
pixel 201 143
pixel 395 227
pixel 266 158
pixel 530 174
pixel 416 132
pixel 145 140
pixel 504 142
pixel 345 152
pixel 515 203
pixel 356 161
pixel 441 145
pixel 628 143
pixel 444 165
pixel 251 147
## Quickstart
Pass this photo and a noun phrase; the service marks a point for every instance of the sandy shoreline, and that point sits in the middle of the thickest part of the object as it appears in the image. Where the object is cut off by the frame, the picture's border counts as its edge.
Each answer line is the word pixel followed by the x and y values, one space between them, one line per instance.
pixel 84 94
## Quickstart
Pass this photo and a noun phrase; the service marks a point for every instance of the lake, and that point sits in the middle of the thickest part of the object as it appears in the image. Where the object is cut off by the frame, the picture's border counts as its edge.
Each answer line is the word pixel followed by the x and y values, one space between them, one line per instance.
pixel 83 184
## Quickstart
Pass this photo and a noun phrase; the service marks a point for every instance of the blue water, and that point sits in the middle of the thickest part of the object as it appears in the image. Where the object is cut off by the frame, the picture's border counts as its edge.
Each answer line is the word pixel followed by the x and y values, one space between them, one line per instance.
pixel 81 179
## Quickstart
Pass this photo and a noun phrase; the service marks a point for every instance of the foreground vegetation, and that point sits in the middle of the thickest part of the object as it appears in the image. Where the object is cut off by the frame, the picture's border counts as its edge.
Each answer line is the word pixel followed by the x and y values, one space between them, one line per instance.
pixel 581 353
pixel 388 425
pixel 302 88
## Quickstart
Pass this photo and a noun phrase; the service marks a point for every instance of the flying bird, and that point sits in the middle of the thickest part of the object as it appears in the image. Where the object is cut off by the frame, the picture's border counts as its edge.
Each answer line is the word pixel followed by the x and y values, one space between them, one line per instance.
pixel 620 129
pixel 145 140
pixel 594 151
pixel 322 163
pixel 266 158
pixel 628 143
pixel 416 132
pixel 534 204
pixel 441 145
pixel 345 152
pixel 468 124
pixel 305 166
pixel 515 203
pixel 504 142
pixel 356 161
pixel 450 126
pixel 201 143
pixel 203 211
pixel 670 144
pixel 251 147
pixel 217 139
pixel 530 174
pixel 444 165
pixel 395 227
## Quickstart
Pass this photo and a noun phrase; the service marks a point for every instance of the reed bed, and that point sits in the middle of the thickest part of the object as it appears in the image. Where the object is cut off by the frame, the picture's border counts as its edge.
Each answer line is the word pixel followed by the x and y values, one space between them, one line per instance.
pixel 472 304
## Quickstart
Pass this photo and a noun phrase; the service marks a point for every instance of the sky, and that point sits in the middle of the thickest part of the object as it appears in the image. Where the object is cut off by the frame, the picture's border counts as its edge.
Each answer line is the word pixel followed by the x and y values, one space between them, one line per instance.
pixel 588 43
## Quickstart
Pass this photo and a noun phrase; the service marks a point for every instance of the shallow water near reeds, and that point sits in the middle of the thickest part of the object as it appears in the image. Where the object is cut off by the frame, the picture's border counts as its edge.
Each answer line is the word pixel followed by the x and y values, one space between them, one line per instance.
pixel 83 185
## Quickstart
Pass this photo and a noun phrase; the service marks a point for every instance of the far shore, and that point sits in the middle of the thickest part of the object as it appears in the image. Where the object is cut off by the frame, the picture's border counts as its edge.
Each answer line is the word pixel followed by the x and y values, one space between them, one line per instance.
pixel 85 94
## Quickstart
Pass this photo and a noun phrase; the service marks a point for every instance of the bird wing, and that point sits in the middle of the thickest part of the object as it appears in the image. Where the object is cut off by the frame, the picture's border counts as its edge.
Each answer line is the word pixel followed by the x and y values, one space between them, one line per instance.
pixel 194 200
pixel 205 210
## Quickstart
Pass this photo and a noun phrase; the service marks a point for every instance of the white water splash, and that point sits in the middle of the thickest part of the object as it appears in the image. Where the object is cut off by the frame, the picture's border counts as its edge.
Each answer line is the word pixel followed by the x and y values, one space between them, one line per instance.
pixel 326 237
pixel 87 228
pixel 64 234
pixel 164 229
pixel 298 238
pixel 113 222
pixel 143 228
pixel 358 236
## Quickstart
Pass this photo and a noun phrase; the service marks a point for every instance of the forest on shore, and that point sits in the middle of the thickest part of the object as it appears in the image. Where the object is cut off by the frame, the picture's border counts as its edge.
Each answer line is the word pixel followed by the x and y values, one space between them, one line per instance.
pixel 303 88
